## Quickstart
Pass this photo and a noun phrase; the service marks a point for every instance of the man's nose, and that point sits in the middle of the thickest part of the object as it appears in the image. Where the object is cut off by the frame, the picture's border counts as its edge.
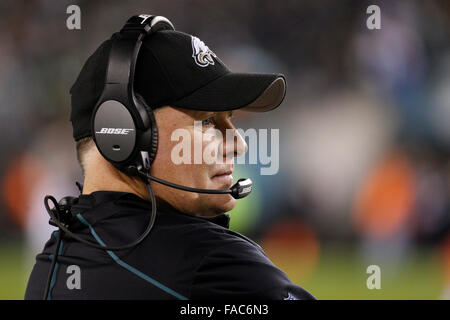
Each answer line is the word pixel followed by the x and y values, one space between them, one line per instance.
pixel 235 145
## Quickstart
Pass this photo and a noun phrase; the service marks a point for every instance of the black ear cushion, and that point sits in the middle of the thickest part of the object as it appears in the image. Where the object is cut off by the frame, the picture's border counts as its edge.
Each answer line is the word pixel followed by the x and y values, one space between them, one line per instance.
pixel 154 142
pixel 154 130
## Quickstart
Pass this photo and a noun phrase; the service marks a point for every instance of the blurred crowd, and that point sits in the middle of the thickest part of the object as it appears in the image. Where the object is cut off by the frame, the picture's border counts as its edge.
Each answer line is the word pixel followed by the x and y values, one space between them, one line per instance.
pixel 364 129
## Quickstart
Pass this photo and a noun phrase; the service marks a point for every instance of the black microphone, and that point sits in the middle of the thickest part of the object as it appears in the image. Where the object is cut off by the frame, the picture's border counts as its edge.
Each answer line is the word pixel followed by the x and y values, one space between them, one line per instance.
pixel 239 190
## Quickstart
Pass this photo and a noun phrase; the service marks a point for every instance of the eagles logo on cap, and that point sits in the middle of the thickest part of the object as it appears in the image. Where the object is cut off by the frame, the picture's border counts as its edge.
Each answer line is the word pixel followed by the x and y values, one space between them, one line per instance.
pixel 202 55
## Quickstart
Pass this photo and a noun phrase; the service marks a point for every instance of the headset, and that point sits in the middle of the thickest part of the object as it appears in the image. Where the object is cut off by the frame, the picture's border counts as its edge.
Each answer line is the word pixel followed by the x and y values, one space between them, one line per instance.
pixel 125 132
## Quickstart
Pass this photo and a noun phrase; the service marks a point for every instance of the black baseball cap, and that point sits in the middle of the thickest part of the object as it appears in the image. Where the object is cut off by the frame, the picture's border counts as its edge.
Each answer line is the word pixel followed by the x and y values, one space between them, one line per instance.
pixel 177 69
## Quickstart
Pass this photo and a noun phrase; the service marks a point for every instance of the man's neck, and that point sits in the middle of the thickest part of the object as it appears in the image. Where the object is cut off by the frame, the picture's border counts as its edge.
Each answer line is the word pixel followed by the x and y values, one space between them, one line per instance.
pixel 114 182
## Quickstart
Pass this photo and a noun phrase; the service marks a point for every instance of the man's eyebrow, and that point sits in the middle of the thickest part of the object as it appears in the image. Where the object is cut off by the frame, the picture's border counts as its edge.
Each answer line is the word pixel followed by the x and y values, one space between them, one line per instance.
pixel 208 114
pixel 202 114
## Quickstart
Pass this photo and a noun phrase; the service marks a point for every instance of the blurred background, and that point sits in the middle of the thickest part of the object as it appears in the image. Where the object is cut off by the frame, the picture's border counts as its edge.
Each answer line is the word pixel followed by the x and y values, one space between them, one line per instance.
pixel 364 170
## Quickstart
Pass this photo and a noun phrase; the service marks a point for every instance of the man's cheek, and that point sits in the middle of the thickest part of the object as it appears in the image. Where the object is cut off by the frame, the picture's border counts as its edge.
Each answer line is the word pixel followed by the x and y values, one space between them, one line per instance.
pixel 211 152
pixel 164 151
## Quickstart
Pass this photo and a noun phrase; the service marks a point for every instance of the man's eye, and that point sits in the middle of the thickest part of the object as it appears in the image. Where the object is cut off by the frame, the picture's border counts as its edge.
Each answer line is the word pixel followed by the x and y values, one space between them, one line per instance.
pixel 207 122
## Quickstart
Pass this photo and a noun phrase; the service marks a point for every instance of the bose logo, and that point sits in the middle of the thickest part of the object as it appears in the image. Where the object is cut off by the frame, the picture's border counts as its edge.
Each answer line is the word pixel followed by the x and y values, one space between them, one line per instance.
pixel 247 189
pixel 114 131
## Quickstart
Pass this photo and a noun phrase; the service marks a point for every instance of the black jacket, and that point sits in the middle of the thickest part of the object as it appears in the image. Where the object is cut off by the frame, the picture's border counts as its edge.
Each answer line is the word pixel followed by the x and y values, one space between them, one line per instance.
pixel 183 257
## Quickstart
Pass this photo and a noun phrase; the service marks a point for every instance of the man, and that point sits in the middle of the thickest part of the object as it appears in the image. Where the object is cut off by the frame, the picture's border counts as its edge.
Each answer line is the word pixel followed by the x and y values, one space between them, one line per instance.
pixel 190 252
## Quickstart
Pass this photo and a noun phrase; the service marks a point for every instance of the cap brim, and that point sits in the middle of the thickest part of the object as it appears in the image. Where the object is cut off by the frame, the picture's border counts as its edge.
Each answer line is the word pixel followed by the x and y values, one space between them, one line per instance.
pixel 254 92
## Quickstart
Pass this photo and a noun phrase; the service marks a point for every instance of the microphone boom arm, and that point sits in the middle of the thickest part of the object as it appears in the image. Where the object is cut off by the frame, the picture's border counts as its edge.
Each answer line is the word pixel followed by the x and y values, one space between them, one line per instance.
pixel 239 190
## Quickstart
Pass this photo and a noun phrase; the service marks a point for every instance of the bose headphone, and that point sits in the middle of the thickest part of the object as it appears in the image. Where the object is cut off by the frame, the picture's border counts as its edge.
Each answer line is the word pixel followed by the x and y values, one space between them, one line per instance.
pixel 123 125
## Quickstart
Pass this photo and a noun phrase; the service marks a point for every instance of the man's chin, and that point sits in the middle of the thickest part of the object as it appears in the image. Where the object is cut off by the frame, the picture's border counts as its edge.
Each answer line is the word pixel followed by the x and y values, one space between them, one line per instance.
pixel 218 205
pixel 228 205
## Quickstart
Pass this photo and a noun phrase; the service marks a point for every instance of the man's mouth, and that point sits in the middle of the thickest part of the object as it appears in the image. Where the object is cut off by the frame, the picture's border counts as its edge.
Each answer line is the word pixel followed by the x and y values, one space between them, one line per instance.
pixel 224 177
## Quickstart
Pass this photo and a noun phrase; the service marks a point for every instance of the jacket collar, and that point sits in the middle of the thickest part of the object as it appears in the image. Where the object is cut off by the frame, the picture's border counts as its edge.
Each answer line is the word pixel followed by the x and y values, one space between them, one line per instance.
pixel 86 202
